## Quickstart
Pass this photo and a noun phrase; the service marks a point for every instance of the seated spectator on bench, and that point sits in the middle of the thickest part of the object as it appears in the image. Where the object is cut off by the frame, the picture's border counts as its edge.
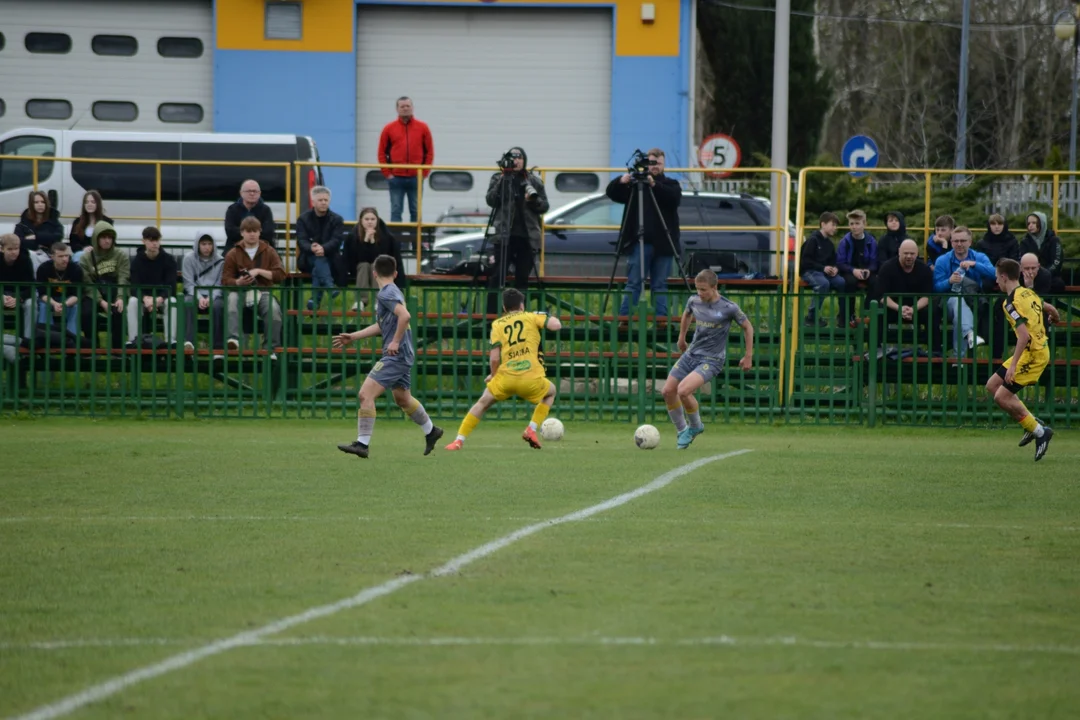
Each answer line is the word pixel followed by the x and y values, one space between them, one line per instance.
pixel 93 211
pixel 250 204
pixel 895 233
pixel 58 290
pixel 817 266
pixel 252 268
pixel 107 270
pixel 16 267
pixel 201 275
pixel 320 233
pixel 941 241
pixel 856 257
pixel 367 240
pixel 39 227
pixel 905 283
pixel 1044 243
pixel 998 242
pixel 1034 276
pixel 153 290
pixel 962 271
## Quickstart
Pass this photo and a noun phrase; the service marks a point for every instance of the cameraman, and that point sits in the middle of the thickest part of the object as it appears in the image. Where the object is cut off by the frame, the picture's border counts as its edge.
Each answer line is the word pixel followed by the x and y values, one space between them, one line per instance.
pixel 519 198
pixel 658 250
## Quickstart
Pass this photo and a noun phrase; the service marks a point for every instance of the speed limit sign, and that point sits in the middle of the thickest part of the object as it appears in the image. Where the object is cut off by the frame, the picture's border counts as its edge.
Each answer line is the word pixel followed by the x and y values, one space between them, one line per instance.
pixel 719 152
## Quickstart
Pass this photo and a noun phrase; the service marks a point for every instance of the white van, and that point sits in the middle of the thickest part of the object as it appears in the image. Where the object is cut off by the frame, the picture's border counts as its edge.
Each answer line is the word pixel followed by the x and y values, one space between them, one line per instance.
pixel 193 197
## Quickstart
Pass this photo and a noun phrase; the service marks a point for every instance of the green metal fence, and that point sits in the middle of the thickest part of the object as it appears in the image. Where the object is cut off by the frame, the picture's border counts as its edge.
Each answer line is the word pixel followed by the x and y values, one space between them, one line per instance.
pixel 874 371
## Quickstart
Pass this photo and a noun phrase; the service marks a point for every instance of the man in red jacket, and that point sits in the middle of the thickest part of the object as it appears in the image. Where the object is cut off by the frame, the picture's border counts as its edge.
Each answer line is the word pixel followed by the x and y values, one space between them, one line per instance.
pixel 405 141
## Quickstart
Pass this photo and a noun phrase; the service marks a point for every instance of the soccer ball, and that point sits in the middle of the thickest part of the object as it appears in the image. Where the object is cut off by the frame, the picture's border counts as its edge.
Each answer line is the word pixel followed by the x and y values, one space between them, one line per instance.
pixel 551 429
pixel 646 437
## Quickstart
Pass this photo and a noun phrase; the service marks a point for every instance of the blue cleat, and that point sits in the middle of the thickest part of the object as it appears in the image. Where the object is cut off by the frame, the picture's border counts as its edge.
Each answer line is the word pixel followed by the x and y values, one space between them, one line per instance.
pixel 694 432
pixel 685 437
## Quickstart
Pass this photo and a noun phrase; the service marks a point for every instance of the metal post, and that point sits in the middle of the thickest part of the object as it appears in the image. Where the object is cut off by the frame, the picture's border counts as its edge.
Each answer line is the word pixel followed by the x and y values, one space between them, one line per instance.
pixel 961 115
pixel 781 63
pixel 1072 113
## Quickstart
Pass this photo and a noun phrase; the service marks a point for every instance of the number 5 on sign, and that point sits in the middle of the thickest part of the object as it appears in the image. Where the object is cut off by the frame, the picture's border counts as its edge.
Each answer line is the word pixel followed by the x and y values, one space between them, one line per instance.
pixel 719 152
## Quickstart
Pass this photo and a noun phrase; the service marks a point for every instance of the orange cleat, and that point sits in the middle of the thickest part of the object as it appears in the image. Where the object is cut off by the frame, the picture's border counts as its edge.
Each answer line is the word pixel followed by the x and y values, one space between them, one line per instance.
pixel 529 436
pixel 456 445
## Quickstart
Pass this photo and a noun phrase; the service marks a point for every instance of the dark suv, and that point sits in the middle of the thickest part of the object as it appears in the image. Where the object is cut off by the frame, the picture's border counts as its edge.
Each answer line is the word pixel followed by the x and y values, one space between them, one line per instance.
pixel 572 251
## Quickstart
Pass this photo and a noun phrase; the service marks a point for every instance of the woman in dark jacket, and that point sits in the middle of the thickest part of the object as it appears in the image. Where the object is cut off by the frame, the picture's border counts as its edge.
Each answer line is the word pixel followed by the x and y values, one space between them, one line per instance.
pixel 93 212
pixel 368 239
pixel 39 227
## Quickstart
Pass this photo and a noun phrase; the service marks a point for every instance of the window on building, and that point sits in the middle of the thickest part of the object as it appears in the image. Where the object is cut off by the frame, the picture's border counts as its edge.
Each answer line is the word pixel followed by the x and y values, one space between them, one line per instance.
pixel 120 45
pixel 48 109
pixel 375 180
pixel 1 41
pixel 115 111
pixel 3 108
pixel 180 47
pixel 20 173
pixel 118 181
pixel 284 20
pixel 52 43
pixel 180 113
pixel 452 181
pixel 577 182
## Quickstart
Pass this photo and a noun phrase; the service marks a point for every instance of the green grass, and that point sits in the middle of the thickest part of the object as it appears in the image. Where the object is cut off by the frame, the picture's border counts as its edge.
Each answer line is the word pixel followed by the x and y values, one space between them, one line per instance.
pixel 850 572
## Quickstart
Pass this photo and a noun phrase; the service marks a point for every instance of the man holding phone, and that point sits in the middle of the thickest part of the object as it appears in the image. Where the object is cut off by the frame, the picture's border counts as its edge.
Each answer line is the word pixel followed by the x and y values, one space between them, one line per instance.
pixel 253 267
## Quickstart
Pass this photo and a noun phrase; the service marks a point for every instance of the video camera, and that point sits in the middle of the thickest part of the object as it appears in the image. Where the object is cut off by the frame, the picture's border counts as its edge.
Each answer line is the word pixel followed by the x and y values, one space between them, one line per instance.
pixel 506 162
pixel 638 165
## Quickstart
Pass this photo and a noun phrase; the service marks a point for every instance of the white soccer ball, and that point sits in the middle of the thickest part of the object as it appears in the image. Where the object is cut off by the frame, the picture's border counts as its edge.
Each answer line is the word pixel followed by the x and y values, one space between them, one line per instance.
pixel 646 437
pixel 551 429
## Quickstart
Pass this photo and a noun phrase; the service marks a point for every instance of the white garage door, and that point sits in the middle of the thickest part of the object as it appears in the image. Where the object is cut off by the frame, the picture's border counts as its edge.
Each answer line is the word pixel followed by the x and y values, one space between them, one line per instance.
pixel 485 80
pixel 108 65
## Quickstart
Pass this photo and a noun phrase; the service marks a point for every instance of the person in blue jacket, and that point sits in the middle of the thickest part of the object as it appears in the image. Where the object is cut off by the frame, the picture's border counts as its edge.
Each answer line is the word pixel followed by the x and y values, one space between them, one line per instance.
pixel 962 272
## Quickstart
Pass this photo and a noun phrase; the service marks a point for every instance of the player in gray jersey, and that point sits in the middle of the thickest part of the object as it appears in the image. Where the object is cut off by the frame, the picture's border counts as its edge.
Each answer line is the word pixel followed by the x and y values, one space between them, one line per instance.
pixel 704 358
pixel 394 370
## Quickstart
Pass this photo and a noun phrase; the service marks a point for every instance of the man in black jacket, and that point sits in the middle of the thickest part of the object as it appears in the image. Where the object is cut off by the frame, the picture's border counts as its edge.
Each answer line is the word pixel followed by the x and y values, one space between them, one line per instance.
pixel 153 289
pixel 320 233
pixel 817 265
pixel 16 267
pixel 659 250
pixel 250 203
pixel 906 284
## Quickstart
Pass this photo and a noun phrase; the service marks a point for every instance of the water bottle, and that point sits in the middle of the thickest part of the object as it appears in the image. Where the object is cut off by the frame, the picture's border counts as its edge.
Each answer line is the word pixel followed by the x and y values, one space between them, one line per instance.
pixel 959 287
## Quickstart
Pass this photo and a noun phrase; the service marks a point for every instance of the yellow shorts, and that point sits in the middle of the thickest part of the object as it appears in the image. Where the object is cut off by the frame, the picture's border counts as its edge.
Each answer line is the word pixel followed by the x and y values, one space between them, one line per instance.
pixel 530 389
pixel 1029 368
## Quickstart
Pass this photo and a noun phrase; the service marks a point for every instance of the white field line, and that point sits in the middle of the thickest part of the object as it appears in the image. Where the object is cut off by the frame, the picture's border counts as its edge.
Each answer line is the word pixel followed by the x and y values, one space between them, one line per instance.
pixel 589 640
pixel 110 687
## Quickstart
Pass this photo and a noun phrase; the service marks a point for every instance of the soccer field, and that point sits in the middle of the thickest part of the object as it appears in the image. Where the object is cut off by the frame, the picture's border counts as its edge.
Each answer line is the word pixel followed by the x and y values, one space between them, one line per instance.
pixel 186 569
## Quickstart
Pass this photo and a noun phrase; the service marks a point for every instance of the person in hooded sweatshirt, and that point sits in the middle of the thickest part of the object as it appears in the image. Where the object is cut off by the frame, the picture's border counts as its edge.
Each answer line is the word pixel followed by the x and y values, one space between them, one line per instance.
pixel 997 243
pixel 1042 241
pixel 107 270
pixel 895 233
pixel 16 267
pixel 39 227
pixel 153 289
pixel 201 274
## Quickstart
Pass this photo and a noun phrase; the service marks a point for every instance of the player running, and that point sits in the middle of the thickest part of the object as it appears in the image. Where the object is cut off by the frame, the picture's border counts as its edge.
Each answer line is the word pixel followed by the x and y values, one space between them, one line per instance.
pixel 394 369
pixel 705 357
pixel 516 368
pixel 1024 311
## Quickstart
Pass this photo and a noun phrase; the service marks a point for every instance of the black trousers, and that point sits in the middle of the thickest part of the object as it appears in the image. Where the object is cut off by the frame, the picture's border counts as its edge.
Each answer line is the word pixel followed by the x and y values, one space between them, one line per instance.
pixel 921 329
pixel 519 256
pixel 93 318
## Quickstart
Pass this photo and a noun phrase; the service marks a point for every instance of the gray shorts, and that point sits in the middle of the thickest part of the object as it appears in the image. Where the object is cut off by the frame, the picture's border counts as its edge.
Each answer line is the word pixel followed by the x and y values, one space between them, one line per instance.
pixel 392 372
pixel 706 367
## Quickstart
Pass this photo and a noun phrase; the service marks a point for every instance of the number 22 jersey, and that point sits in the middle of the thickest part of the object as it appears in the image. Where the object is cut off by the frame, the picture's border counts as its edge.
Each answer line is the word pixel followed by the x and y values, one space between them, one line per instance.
pixel 517 334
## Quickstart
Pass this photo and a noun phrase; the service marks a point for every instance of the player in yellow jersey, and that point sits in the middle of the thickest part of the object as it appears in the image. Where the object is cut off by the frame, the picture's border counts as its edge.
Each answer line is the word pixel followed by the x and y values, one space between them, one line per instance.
pixel 1024 311
pixel 516 367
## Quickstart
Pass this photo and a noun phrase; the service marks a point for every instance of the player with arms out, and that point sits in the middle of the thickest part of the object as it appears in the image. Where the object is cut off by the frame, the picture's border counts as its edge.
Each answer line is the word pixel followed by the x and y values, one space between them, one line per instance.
pixel 516 368
pixel 1024 311
pixel 704 358
pixel 394 369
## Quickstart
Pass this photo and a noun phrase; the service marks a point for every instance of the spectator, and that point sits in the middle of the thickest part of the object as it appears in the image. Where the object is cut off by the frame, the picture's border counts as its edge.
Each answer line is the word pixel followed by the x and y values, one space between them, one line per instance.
pixel 940 242
pixel 153 286
pixel 250 204
pixel 895 233
pixel 58 289
pixel 369 239
pixel 320 233
pixel 998 242
pixel 16 267
pixel 39 227
pixel 856 259
pixel 405 141
pixel 201 275
pixel 817 265
pixel 659 249
pixel 1033 276
pixel 255 267
pixel 107 269
pixel 962 271
pixel 1041 240
pixel 905 282
pixel 93 211
pixel 519 199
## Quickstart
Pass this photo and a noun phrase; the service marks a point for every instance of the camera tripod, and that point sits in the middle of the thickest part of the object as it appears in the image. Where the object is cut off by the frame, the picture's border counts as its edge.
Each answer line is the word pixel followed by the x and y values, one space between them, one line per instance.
pixel 638 184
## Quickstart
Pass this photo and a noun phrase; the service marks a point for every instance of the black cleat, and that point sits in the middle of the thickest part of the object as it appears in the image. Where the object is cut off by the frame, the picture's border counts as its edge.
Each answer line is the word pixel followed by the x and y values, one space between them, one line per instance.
pixel 1028 435
pixel 431 438
pixel 357 448
pixel 1041 444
